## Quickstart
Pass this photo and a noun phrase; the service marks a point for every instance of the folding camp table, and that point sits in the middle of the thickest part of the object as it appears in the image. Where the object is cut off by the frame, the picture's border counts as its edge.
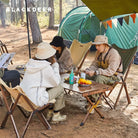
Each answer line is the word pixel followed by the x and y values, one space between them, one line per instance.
pixel 95 88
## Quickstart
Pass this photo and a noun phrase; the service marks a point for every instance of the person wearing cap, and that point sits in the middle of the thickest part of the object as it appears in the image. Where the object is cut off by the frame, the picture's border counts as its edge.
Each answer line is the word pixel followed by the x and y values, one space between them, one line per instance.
pixel 107 66
pixel 63 54
pixel 41 81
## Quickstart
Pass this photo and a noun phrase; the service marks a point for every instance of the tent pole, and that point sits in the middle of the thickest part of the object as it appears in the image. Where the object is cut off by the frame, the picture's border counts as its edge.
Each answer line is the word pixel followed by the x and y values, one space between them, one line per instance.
pixel 28 29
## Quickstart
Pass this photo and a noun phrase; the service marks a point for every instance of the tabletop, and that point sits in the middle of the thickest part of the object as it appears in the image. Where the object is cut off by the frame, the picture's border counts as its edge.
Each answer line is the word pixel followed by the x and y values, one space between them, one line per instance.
pixel 94 88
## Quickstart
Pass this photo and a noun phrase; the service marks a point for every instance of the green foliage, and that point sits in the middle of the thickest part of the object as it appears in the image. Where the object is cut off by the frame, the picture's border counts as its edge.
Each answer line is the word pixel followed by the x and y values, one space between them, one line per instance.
pixel 5 1
pixel 43 19
pixel 65 9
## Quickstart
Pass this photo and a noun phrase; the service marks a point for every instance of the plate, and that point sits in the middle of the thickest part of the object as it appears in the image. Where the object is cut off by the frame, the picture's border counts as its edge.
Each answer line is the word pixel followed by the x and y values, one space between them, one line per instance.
pixel 67 80
pixel 84 85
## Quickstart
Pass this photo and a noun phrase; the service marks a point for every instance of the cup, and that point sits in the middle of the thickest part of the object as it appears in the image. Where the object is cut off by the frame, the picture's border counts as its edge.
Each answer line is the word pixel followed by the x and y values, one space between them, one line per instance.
pixel 83 75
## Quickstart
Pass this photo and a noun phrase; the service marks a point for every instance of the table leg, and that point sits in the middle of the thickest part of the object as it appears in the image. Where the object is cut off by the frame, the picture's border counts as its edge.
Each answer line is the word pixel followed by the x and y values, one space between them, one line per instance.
pixel 67 91
pixel 93 107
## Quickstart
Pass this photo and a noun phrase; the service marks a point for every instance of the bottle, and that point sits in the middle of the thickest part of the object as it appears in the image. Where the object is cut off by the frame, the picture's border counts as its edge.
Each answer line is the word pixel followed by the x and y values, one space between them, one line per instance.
pixel 71 77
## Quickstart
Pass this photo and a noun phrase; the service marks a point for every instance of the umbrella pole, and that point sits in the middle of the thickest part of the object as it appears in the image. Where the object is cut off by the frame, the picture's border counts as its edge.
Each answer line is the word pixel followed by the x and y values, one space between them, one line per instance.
pixel 28 29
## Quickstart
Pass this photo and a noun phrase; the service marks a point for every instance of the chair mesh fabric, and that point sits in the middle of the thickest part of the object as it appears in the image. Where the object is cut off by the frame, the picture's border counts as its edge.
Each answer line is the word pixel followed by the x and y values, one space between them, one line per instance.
pixel 126 55
pixel 78 51
pixel 14 92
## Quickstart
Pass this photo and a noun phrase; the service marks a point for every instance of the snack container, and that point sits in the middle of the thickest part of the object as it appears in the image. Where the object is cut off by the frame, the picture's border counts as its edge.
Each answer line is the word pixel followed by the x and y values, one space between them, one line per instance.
pixel 83 75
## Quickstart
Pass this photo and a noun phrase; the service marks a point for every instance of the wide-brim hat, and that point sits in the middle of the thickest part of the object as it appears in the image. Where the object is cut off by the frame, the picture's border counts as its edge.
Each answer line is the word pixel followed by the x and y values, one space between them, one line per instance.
pixel 57 41
pixel 44 51
pixel 100 39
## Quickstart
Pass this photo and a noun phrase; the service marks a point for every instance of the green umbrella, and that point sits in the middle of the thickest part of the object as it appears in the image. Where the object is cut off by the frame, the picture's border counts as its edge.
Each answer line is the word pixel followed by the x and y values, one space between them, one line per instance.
pixel 104 9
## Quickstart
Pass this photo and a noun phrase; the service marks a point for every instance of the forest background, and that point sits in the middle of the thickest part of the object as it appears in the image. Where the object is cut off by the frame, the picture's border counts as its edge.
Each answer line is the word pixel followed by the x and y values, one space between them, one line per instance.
pixel 41 14
pixel 119 123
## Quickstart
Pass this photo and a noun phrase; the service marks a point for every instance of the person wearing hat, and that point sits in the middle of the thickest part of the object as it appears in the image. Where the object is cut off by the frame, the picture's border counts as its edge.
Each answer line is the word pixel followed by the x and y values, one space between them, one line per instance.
pixel 41 81
pixel 63 54
pixel 107 66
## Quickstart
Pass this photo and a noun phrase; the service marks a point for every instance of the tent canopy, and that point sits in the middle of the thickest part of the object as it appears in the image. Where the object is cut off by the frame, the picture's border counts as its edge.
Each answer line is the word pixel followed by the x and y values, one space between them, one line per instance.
pixel 104 9
pixel 81 24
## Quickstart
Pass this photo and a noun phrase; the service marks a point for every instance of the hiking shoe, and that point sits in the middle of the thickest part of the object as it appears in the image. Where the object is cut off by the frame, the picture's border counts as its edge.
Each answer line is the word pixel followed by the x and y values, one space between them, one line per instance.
pixel 57 117
pixel 49 115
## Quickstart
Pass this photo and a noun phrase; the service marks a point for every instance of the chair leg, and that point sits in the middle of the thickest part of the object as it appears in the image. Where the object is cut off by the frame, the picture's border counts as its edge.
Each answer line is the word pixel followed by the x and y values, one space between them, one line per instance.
pixel 48 125
pixel 127 95
pixel 1 102
pixel 5 120
pixel 43 120
pixel 107 101
pixel 6 116
pixel 9 113
pixel 27 124
pixel 118 96
pixel 26 116
pixel 14 125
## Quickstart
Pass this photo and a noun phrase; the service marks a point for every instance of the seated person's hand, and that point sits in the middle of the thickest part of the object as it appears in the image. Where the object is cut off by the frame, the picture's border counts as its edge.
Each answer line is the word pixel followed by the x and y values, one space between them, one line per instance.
pixel 90 72
pixel 52 59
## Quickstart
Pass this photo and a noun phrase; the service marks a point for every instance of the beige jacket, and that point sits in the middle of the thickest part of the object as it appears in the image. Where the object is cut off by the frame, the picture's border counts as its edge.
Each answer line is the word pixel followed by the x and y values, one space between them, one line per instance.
pixel 65 61
pixel 113 60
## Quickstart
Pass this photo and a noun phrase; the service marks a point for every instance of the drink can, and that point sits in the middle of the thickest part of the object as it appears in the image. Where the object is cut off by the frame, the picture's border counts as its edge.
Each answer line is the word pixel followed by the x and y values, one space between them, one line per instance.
pixel 83 75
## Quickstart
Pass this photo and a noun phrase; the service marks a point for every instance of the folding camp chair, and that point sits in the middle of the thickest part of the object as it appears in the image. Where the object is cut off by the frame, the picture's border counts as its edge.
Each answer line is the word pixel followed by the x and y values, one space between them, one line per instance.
pixel 3 49
pixel 127 56
pixel 20 99
pixel 79 52
pixel 1 101
pixel 67 43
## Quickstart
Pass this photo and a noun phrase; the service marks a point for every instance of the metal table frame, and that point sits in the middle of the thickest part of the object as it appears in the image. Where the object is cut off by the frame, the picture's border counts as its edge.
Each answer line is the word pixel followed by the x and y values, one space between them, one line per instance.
pixel 95 88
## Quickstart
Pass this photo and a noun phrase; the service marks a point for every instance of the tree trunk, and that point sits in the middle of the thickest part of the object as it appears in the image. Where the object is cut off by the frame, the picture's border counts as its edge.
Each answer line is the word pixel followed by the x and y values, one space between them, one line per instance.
pixel 45 3
pixel 51 16
pixel 35 30
pixel 21 4
pixel 2 14
pixel 60 10
pixel 13 14
pixel 77 3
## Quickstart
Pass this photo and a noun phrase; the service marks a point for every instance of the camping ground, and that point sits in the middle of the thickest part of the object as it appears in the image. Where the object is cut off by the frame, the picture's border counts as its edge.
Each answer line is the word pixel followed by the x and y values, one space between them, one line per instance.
pixel 119 123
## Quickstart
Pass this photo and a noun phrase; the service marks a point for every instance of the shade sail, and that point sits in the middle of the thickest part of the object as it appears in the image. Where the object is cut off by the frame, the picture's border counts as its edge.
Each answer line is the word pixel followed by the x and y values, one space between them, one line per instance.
pixel 104 9
pixel 123 34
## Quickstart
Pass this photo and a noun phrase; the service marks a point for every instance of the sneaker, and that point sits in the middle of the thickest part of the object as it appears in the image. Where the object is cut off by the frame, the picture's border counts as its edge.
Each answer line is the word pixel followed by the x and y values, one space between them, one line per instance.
pixel 57 117
pixel 49 115
pixel 52 101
